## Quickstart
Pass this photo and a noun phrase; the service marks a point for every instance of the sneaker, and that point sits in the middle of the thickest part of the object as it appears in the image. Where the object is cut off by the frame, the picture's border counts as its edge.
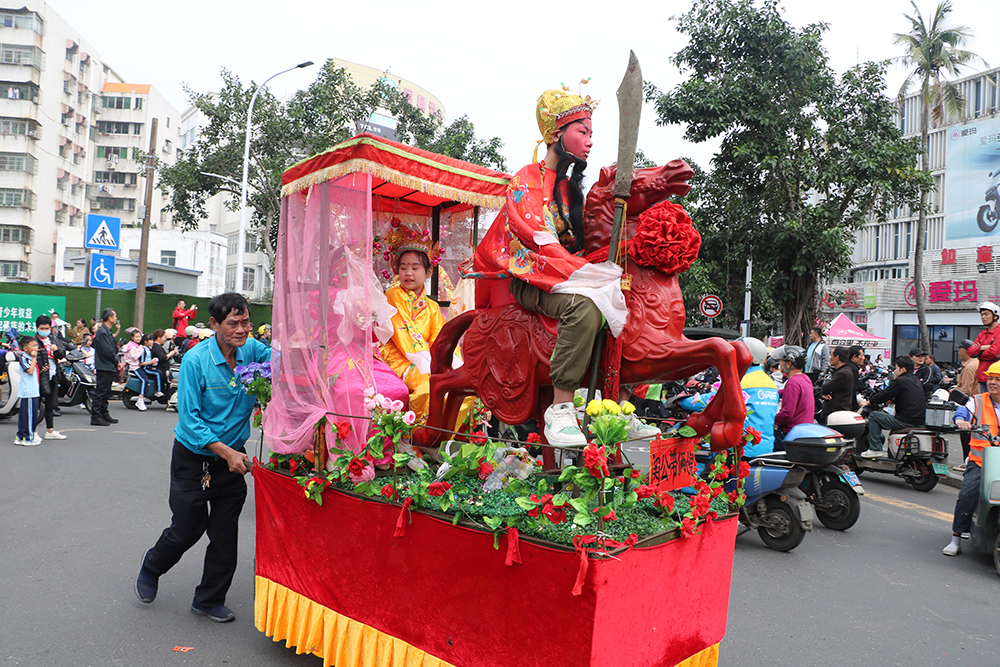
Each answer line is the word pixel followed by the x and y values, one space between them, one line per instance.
pixel 146 585
pixel 561 428
pixel 158 394
pixel 872 454
pixel 952 549
pixel 141 404
pixel 640 430
pixel 34 441
pixel 959 468
pixel 54 435
pixel 219 614
pixel 19 442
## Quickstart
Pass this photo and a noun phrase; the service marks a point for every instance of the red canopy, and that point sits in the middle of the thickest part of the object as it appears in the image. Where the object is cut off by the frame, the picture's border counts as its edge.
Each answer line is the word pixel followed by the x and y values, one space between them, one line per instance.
pixel 416 178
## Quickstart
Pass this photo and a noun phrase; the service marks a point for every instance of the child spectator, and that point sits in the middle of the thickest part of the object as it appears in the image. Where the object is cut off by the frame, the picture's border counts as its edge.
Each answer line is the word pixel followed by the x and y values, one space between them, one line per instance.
pixel 28 392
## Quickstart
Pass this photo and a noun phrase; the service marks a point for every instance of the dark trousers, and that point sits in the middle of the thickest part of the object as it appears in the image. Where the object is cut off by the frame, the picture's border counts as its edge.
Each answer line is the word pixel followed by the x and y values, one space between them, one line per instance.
pixel 51 400
pixel 968 496
pixel 27 415
pixel 195 511
pixel 99 399
pixel 965 437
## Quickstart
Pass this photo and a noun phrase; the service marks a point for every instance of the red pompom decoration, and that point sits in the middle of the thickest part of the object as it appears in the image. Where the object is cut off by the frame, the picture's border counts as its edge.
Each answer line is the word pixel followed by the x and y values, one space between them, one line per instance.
pixel 665 239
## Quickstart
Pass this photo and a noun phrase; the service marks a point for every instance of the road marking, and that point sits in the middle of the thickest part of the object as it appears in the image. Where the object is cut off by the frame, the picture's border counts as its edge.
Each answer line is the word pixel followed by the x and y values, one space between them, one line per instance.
pixel 913 507
pixel 131 432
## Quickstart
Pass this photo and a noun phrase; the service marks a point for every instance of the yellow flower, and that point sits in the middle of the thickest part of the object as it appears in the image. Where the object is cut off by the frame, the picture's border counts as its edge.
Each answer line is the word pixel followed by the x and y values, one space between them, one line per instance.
pixel 612 407
pixel 628 408
pixel 594 408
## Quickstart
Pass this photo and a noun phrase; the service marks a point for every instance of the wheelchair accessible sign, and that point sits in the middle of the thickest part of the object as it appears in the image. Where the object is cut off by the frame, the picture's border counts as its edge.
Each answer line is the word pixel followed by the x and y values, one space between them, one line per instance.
pixel 103 233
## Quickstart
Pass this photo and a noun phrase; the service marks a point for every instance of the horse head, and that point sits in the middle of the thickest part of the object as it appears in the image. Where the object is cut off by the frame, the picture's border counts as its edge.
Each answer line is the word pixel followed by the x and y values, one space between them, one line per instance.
pixel 649 186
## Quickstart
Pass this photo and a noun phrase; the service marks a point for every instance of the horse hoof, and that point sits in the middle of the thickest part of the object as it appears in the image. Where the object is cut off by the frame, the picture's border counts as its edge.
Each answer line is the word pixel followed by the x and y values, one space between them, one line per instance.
pixel 425 437
pixel 726 435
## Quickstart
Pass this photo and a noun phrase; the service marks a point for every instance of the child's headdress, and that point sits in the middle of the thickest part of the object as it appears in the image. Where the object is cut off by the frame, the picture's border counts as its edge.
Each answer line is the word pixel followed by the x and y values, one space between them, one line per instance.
pixel 402 239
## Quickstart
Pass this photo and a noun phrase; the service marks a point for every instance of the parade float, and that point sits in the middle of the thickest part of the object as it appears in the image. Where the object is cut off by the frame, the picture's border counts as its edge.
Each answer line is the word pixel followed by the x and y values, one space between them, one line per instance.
pixel 481 553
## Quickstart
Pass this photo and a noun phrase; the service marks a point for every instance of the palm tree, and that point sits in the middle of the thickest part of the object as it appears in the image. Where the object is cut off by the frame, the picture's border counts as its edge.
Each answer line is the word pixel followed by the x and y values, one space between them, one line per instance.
pixel 934 53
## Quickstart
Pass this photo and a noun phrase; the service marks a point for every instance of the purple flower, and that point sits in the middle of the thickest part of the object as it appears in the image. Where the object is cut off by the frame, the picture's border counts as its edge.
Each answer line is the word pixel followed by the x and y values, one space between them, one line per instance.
pixel 240 370
pixel 254 366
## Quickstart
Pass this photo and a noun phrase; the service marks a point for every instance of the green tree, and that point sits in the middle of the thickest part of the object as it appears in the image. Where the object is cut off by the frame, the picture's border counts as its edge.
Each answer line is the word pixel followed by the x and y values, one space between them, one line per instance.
pixel 332 109
pixel 806 157
pixel 934 54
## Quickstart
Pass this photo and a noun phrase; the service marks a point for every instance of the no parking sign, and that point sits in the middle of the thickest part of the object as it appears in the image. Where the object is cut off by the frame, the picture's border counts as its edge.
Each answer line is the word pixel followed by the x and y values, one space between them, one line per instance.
pixel 710 306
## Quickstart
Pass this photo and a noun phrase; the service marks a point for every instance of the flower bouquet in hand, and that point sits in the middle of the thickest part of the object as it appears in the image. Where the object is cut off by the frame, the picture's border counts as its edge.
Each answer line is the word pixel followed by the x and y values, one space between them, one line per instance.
pixel 255 380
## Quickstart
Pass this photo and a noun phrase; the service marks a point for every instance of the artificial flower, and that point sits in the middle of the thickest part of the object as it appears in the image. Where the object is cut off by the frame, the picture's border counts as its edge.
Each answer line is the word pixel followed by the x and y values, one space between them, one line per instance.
pixel 343 429
pixel 356 467
pixel 388 491
pixel 594 408
pixel 396 406
pixel 477 438
pixel 744 469
pixel 369 392
pixel 485 468
pixel 610 516
pixel 554 514
pixel 595 460
pixel 534 438
pixel 754 434
pixel 409 418
pixel 645 491
pixel 665 500
pixel 628 408
pixel 612 407
pixel 689 527
pixel 636 473
pixel 438 488
pixel 700 505
pixel 293 465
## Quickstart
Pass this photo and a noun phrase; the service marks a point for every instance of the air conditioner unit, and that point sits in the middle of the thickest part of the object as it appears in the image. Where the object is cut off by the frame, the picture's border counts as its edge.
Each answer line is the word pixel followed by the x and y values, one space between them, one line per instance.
pixel 32 134
pixel 111 165
pixel 22 274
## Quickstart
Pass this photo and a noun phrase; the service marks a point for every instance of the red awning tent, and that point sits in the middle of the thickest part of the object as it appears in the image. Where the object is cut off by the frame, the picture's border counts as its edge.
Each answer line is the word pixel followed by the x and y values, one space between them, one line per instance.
pixel 842 331
pixel 404 178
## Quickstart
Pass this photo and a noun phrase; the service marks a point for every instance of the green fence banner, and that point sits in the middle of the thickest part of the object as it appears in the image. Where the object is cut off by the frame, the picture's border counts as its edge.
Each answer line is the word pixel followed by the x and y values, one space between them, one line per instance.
pixel 20 310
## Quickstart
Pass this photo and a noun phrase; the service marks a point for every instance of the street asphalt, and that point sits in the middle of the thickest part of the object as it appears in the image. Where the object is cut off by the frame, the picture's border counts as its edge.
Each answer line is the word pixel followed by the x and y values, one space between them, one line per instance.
pixel 77 516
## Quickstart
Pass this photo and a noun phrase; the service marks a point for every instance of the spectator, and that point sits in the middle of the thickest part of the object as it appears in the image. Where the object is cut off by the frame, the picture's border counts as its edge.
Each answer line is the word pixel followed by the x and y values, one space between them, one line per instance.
pixel 837 391
pixel 108 367
pixel 968 385
pixel 50 351
pixel 817 355
pixel 935 373
pixel 146 371
pixel 920 370
pixel 860 363
pixel 908 394
pixel 798 402
pixel 133 349
pixel 79 331
pixel 212 429
pixel 986 347
pixel 88 350
pixel 162 357
pixel 28 393
pixel 181 318
pixel 264 334
pixel 59 326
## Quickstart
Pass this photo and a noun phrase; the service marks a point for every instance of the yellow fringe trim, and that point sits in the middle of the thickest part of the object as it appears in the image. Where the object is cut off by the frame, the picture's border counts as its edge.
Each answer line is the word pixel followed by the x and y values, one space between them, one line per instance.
pixel 309 627
pixel 359 166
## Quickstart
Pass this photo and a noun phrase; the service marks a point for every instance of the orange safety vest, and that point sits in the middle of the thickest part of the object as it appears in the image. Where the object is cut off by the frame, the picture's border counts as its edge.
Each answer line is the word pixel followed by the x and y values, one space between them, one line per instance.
pixel 982 417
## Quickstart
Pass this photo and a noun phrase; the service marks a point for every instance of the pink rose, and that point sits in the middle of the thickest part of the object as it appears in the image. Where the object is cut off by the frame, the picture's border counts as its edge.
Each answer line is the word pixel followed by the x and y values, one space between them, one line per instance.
pixel 369 392
pixel 396 406
pixel 369 404
pixel 384 403
pixel 409 418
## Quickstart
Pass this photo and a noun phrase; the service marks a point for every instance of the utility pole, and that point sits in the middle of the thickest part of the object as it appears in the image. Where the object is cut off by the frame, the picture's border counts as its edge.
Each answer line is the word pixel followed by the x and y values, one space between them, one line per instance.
pixel 140 281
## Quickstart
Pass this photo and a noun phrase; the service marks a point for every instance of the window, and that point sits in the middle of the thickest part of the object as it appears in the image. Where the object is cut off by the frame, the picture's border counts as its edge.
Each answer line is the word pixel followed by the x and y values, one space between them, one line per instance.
pixel 17 162
pixel 902 118
pixel 18 90
pixel 909 238
pixel 116 177
pixel 20 54
pixel 113 127
pixel 168 257
pixel 895 241
pixel 230 278
pixel 978 103
pixel 28 21
pixel 10 197
pixel 167 146
pixel 136 128
pixel 13 269
pixel 248 279
pixel 10 126
pixel 168 121
pixel 250 243
pixel 11 234
pixel 112 153
pixel 115 204
pixel 138 105
pixel 233 244
pixel 116 102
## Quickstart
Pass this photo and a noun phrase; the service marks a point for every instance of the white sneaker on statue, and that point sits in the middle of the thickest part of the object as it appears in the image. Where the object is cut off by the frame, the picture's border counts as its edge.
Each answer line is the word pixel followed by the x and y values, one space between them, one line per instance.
pixel 561 427
pixel 640 430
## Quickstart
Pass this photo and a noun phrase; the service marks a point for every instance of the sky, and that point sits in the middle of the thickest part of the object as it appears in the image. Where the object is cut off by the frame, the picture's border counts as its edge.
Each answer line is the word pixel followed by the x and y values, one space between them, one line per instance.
pixel 488 60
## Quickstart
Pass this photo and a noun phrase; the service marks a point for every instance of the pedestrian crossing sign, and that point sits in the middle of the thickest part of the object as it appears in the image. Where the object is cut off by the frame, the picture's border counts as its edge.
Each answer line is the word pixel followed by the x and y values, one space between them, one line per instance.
pixel 103 232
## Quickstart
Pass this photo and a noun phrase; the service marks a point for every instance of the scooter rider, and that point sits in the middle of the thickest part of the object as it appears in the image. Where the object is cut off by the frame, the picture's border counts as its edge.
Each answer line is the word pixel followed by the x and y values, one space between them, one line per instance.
pixel 763 402
pixel 798 403
pixel 980 410
pixel 986 347
pixel 911 406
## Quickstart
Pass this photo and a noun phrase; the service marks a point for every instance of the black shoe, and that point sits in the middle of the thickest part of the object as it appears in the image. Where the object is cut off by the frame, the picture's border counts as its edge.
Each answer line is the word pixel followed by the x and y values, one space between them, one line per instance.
pixel 220 614
pixel 109 419
pixel 98 421
pixel 146 584
pixel 57 413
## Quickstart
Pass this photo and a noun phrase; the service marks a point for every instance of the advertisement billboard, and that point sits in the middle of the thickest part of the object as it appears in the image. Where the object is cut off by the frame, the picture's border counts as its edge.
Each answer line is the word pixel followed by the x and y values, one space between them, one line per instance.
pixel 971 204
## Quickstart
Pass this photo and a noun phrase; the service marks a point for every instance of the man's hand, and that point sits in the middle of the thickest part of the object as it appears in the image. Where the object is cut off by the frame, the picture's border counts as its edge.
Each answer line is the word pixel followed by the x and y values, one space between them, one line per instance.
pixel 238 461
pixel 862 402
pixel 962 424
pixel 827 397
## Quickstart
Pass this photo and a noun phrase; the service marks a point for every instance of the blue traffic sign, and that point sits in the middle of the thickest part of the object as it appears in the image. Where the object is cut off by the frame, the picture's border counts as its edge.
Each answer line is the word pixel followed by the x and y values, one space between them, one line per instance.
pixel 103 232
pixel 102 271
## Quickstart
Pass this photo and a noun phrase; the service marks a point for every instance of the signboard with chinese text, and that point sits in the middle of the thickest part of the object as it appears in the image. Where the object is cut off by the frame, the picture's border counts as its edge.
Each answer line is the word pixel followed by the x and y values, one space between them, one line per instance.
pixel 19 311
pixel 870 292
pixel 973 153
pixel 671 463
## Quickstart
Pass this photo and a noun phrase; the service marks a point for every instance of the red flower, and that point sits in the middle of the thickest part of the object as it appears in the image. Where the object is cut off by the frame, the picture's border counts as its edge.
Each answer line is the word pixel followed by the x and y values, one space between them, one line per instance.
pixel 700 505
pixel 636 473
pixel 733 496
pixel 343 429
pixel 554 514
pixel 293 465
pixel 610 517
pixel 645 491
pixel 744 469
pixel 438 488
pixel 722 472
pixel 541 501
pixel 713 515
pixel 388 491
pixel 754 435
pixel 595 461
pixel 689 527
pixel 665 500
pixel 716 491
pixel 621 479
pixel 485 468
pixel 534 438
pixel 533 513
pixel 356 467
pixel 665 239
pixel 702 487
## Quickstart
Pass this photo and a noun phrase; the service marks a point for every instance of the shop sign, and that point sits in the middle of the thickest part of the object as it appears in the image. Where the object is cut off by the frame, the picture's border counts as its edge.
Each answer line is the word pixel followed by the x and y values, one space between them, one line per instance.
pixel 947 256
pixel 850 300
pixel 870 295
pixel 944 291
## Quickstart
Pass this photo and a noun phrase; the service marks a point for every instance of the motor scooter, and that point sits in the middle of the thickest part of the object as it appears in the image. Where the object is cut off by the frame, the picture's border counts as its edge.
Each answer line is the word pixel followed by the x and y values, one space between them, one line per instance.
pixel 833 490
pixel 9 402
pixel 80 380
pixel 133 387
pixel 985 530
pixel 989 213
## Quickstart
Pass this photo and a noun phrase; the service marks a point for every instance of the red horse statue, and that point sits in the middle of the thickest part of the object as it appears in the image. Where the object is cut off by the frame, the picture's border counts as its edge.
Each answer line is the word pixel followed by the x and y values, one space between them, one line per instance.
pixel 507 349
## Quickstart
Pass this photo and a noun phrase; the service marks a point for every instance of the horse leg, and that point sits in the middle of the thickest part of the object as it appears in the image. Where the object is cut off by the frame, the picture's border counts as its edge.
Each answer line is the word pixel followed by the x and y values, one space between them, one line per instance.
pixel 442 405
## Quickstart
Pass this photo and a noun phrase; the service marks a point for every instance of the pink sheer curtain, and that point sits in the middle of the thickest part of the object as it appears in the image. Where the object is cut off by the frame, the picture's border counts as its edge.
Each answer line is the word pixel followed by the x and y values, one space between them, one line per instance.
pixel 326 301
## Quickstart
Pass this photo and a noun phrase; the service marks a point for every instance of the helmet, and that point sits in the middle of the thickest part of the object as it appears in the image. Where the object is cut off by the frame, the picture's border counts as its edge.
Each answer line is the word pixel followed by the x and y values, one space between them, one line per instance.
pixel 793 354
pixel 757 350
pixel 191 331
pixel 992 307
pixel 170 332
pixel 965 344
pixel 994 368
pixel 263 328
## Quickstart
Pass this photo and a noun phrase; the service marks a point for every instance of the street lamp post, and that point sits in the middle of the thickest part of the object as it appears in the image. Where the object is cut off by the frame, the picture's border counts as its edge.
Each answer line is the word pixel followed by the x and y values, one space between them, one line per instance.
pixel 246 173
